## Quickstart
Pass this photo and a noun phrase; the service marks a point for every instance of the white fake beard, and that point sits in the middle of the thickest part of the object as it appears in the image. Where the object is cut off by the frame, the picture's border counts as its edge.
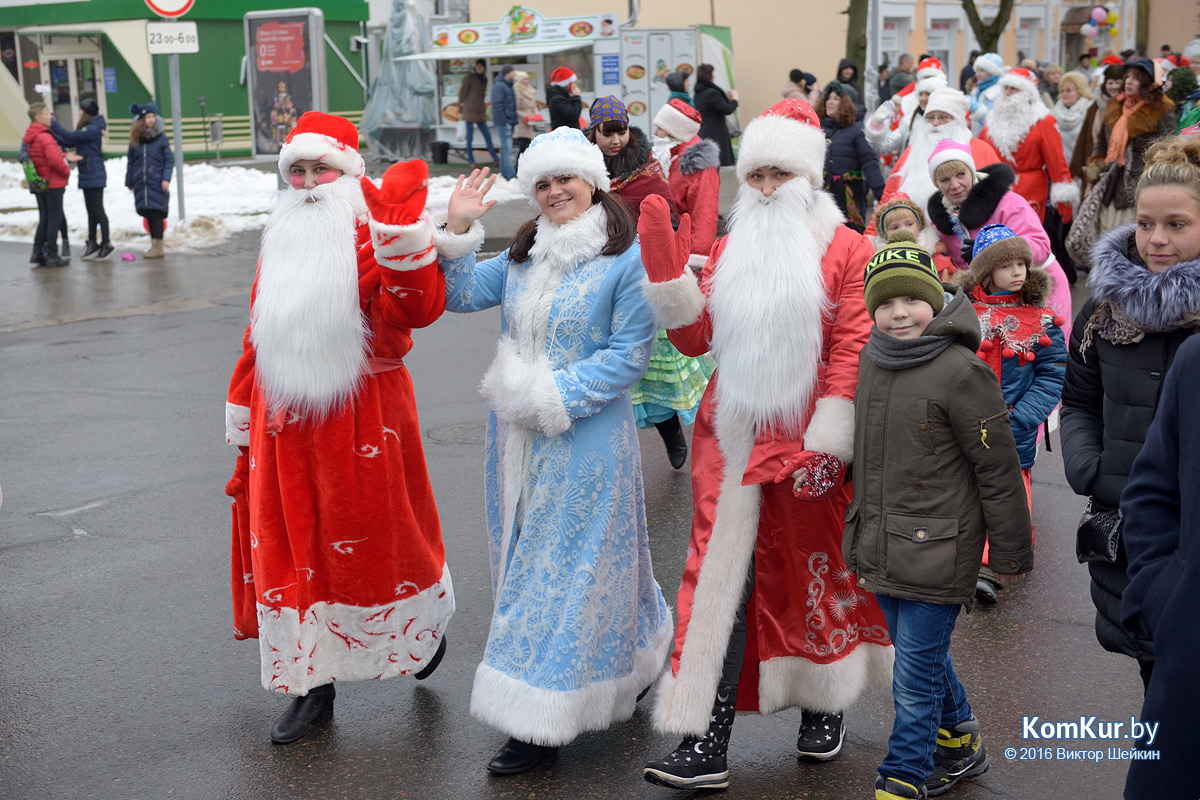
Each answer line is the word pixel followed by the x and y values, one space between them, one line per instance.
pixel 307 327
pixel 767 301
pixel 915 180
pixel 1011 118
pixel 660 148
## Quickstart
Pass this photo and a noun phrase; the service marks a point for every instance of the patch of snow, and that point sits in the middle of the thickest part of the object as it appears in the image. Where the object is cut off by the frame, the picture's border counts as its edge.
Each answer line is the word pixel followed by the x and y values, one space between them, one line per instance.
pixel 220 201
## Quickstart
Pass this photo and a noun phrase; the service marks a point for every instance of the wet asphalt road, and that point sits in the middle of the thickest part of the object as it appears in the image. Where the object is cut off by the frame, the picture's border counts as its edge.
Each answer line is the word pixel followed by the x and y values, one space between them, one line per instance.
pixel 119 675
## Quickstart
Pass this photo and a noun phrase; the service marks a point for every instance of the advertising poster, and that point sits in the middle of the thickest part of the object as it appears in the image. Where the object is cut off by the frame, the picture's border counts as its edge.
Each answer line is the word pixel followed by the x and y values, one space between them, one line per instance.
pixel 281 78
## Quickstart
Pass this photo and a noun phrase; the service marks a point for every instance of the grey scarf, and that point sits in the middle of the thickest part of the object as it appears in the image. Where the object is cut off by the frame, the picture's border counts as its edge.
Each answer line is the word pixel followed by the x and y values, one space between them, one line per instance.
pixel 891 353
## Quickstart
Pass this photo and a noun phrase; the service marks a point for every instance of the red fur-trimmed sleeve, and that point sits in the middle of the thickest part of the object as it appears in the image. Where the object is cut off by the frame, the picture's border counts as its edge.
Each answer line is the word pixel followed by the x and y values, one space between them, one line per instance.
pixel 694 340
pixel 241 385
pixel 408 298
pixel 705 195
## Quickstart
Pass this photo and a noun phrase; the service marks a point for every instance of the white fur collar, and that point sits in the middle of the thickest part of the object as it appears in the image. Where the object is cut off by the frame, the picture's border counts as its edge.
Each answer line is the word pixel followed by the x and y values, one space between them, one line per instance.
pixel 566 246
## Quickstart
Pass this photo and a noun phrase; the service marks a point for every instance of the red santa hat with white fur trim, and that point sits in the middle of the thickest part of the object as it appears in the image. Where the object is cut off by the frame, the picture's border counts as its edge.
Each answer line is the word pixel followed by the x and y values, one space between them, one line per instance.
pixel 327 138
pixel 679 120
pixel 787 135
pixel 562 76
pixel 1023 80
pixel 929 67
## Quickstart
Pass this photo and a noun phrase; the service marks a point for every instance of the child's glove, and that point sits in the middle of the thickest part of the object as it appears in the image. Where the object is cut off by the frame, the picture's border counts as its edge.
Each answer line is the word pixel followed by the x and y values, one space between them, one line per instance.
pixel 664 252
pixel 401 200
pixel 823 474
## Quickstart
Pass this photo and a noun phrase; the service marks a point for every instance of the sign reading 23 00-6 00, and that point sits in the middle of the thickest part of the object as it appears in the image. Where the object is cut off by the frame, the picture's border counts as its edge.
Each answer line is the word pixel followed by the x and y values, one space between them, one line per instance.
pixel 172 37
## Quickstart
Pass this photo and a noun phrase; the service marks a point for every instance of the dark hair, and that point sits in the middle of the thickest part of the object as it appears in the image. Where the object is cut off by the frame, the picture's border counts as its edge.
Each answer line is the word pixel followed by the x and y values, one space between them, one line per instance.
pixel 480 62
pixel 608 128
pixel 796 75
pixel 847 110
pixel 621 230
pixel 704 72
pixel 1114 72
pixel 84 119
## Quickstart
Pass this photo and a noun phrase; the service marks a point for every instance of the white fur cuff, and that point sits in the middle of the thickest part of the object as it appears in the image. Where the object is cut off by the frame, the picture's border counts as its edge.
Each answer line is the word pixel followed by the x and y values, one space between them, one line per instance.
pixel 237 425
pixel 1064 193
pixel 831 428
pixel 524 394
pixel 676 303
pixel 696 261
pixel 453 246
pixel 403 247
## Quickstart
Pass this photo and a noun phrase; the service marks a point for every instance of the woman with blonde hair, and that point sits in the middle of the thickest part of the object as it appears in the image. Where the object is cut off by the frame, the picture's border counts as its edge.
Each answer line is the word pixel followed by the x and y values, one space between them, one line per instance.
pixel 1074 100
pixel 527 106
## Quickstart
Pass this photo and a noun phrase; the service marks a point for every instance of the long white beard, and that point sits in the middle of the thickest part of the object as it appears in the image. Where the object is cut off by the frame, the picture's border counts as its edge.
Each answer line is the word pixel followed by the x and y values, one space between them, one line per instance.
pixel 1010 119
pixel 767 300
pixel 307 327
pixel 660 148
pixel 914 175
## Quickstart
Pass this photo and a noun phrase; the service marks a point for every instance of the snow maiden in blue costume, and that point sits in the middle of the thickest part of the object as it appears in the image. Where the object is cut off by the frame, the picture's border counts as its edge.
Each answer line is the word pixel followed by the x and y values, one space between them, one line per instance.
pixel 580 627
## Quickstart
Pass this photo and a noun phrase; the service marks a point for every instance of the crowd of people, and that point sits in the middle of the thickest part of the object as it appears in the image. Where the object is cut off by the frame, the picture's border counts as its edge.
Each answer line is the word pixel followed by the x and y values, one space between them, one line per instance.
pixel 826 329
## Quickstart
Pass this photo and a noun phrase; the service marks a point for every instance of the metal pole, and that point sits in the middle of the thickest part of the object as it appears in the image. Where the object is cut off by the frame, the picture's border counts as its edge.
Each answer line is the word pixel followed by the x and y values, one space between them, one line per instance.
pixel 177 128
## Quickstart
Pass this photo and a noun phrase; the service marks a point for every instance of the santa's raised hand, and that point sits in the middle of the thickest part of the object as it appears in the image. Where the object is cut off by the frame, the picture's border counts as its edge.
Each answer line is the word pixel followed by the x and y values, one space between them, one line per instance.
pixel 400 198
pixel 466 201
pixel 665 252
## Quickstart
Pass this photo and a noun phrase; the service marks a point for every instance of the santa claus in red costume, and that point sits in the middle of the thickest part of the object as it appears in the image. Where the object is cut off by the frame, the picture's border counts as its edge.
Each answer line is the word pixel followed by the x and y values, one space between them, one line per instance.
pixel 769 616
pixel 338 566
pixel 1025 134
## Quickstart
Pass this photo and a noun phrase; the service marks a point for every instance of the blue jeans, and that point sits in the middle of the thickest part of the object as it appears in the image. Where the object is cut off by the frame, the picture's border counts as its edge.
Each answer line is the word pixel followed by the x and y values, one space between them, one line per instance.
pixel 504 134
pixel 487 137
pixel 925 689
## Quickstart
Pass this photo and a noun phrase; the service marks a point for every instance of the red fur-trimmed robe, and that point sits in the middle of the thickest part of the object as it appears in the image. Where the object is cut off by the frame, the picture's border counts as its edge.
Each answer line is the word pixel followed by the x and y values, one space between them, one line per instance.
pixel 1041 167
pixel 813 639
pixel 337 564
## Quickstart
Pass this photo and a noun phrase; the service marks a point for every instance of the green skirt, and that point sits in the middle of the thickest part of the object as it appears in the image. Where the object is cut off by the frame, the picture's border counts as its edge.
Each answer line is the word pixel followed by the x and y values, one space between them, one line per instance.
pixel 673 384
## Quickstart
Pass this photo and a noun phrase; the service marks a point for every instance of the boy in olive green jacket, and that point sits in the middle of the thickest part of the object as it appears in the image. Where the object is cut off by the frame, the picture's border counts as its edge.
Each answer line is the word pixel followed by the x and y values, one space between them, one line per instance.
pixel 936 473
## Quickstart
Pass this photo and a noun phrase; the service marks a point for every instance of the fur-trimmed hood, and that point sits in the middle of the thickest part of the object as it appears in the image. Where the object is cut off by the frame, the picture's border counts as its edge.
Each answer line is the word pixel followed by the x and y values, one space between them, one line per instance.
pixel 1034 292
pixel 631 158
pixel 981 201
pixel 699 155
pixel 1156 301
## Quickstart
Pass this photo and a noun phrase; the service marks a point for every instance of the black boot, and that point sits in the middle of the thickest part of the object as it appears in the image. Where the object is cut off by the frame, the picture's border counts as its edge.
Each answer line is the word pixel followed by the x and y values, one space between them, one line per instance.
pixel 673 438
pixel 428 669
pixel 38 257
pixel 699 763
pixel 821 736
pixel 104 252
pixel 88 249
pixel 293 724
pixel 517 756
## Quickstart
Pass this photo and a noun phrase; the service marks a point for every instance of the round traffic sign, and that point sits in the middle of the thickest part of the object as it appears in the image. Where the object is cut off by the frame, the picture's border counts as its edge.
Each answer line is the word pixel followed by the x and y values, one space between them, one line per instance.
pixel 170 8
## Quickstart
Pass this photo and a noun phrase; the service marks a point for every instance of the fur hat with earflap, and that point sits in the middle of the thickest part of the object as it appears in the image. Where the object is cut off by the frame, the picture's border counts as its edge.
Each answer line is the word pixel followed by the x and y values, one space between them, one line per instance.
pixel 997 244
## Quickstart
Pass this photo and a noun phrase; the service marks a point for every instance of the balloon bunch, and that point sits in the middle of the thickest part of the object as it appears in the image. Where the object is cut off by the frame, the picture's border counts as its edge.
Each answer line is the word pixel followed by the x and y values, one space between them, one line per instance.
pixel 1100 17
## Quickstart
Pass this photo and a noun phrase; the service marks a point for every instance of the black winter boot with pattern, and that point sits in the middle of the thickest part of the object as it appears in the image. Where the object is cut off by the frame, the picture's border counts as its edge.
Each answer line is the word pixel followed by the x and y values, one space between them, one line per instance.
pixel 959 754
pixel 821 736
pixel 699 763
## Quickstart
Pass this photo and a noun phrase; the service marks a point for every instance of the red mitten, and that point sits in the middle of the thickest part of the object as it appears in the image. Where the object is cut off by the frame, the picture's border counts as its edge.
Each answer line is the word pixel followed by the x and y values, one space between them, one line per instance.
pixel 401 200
pixel 825 474
pixel 664 252
pixel 1064 210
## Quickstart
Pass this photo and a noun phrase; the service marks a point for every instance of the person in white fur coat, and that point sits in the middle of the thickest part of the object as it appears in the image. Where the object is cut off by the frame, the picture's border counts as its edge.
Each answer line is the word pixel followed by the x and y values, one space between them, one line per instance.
pixel 897 120
pixel 580 628
pixel 769 616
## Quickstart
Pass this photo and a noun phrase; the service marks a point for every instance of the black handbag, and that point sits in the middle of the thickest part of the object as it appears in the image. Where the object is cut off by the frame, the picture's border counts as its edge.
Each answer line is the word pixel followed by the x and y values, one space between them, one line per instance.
pixel 1099 534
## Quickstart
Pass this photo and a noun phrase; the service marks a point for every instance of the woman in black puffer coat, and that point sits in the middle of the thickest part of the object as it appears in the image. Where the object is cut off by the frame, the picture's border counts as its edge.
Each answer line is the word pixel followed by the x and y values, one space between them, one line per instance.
pixel 1122 344
pixel 148 172
pixel 851 166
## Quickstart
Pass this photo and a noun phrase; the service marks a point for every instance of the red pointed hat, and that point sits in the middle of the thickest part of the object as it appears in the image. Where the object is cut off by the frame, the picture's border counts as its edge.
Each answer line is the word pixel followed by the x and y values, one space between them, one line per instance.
pixel 562 76
pixel 787 135
pixel 929 66
pixel 327 138
pixel 1023 79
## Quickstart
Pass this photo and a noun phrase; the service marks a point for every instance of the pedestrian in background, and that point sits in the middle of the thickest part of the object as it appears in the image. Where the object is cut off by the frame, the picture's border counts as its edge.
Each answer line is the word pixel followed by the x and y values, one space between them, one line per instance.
pixel 148 172
pixel 472 102
pixel 51 166
pixel 851 166
pixel 968 71
pixel 902 75
pixel 563 98
pixel 527 106
pixel 504 115
pixel 88 141
pixel 714 105
pixel 677 82
pixel 579 628
pixel 1144 303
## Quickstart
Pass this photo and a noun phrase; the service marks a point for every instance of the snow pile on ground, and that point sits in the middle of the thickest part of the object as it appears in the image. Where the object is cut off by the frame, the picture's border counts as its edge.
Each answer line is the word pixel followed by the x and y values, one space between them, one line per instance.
pixel 220 201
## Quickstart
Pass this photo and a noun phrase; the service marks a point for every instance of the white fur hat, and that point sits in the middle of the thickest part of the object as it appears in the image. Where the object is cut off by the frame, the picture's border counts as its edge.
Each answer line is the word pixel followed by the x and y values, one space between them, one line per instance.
pixel 991 63
pixel 931 83
pixel 562 151
pixel 787 135
pixel 679 120
pixel 949 101
pixel 326 138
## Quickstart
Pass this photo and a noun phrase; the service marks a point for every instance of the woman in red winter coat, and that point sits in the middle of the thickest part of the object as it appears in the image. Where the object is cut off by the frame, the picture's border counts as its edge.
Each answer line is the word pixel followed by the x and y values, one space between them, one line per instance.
pixel 52 166
pixel 692 167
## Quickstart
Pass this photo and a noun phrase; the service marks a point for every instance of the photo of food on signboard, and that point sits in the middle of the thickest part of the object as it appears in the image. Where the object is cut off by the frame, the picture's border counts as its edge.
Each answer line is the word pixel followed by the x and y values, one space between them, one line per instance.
pixel 581 28
pixel 635 72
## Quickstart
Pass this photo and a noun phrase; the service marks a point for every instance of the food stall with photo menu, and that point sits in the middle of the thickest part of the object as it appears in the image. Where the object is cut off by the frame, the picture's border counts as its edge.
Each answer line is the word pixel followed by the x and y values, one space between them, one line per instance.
pixel 609 58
